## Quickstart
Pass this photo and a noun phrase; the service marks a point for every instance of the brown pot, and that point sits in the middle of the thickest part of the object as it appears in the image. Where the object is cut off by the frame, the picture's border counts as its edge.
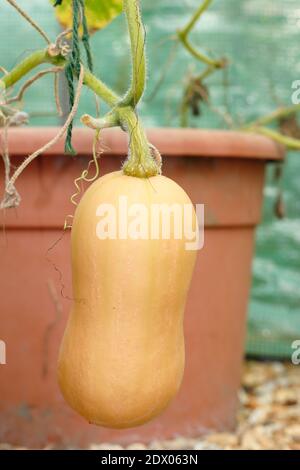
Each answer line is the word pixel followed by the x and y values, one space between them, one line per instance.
pixel 225 171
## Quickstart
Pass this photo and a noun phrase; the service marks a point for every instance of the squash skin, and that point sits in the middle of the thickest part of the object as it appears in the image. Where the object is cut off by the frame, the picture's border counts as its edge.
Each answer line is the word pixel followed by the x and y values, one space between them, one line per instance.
pixel 122 356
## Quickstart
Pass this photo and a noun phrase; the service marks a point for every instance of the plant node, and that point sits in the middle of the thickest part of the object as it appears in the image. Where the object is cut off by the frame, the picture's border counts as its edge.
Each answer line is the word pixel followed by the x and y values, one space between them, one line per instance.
pixel 140 161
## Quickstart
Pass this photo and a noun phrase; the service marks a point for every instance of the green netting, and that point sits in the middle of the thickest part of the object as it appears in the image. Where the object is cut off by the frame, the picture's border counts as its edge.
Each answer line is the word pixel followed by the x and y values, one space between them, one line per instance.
pixel 261 39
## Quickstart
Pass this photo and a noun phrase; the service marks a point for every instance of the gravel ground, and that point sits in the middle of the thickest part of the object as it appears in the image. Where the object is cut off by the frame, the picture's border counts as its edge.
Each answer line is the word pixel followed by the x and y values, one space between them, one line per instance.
pixel 268 416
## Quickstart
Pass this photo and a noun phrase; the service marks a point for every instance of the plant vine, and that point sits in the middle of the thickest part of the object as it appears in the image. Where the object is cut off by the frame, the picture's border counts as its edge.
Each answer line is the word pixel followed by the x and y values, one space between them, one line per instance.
pixel 142 161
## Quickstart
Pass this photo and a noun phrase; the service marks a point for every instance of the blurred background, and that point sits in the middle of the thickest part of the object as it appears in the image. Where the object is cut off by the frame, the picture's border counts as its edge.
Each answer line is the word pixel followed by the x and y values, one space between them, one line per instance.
pixel 260 39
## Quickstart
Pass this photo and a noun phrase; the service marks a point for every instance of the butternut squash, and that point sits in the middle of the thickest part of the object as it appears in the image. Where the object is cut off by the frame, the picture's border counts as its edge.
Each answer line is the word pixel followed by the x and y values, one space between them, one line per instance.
pixel 122 356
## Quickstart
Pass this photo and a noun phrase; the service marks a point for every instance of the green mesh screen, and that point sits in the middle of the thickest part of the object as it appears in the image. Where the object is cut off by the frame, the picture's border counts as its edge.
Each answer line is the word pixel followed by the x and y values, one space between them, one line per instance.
pixel 261 39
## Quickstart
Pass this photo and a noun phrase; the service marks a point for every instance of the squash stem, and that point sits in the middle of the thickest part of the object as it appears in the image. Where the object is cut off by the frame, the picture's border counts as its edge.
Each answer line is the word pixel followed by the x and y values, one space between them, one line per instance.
pixel 137 40
pixel 140 162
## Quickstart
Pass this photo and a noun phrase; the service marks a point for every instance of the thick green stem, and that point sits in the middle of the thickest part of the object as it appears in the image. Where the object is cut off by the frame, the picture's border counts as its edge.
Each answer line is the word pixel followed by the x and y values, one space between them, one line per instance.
pixel 42 57
pixel 102 90
pixel 140 161
pixel 137 40
pixel 32 61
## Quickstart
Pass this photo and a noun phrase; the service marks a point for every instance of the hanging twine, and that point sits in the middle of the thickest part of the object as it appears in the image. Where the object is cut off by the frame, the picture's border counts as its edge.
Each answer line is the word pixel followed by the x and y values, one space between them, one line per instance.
pixel 9 189
pixel 72 69
pixel 86 37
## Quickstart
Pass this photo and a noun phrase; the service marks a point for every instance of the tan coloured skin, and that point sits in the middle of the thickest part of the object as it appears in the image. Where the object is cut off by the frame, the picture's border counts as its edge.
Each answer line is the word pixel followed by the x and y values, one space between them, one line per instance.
pixel 122 356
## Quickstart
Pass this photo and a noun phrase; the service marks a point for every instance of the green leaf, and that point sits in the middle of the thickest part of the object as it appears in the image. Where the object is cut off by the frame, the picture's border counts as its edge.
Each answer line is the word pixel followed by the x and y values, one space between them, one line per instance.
pixel 99 13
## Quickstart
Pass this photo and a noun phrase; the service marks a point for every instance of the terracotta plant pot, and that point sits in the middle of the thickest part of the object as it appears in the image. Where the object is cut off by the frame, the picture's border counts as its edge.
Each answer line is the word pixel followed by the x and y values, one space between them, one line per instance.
pixel 223 170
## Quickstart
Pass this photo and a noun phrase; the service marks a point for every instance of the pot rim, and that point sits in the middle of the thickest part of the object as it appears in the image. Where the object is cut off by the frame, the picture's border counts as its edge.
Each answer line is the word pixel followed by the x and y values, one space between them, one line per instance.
pixel 175 142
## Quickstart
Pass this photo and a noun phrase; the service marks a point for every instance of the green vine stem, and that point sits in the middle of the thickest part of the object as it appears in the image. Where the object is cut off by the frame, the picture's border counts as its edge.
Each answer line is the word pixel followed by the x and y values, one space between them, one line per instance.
pixel 289 142
pixel 140 161
pixel 137 41
pixel 43 57
pixel 258 126
pixel 279 113
pixel 109 120
pixel 206 73
pixel 29 63
pixel 197 54
pixel 192 22
pixel 183 38
pixel 99 87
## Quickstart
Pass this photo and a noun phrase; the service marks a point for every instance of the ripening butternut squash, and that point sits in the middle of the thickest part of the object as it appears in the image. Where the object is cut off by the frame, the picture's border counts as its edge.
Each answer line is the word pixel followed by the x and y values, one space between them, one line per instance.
pixel 122 356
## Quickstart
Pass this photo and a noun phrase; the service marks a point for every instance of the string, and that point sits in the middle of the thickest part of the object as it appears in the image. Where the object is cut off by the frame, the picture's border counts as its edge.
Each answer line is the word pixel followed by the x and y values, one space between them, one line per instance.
pixel 72 69
pixel 86 37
